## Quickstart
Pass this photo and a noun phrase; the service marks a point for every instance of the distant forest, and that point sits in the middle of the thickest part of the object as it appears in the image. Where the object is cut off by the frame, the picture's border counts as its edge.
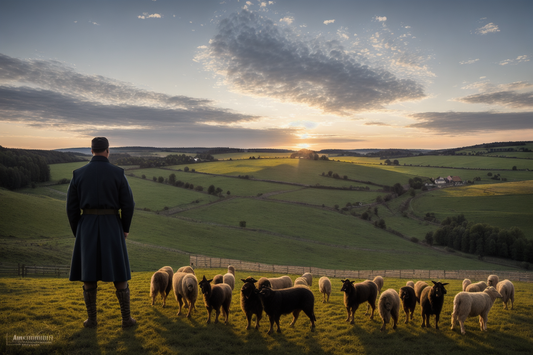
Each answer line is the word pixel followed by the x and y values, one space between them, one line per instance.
pixel 21 167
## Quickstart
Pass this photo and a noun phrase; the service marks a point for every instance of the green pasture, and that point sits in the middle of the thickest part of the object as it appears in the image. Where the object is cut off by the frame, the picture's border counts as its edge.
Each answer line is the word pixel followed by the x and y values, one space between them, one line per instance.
pixel 57 310
pixel 236 186
pixel 303 171
pixel 243 155
pixel 504 211
pixel 328 198
pixel 64 170
pixel 156 196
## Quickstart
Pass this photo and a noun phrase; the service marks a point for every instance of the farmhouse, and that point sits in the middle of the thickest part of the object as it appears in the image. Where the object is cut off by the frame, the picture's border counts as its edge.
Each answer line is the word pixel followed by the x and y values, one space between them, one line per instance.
pixel 440 181
pixel 455 180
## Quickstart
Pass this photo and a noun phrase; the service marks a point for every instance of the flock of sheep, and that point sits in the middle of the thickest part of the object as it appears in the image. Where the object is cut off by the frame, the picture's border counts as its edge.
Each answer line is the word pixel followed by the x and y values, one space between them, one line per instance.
pixel 278 296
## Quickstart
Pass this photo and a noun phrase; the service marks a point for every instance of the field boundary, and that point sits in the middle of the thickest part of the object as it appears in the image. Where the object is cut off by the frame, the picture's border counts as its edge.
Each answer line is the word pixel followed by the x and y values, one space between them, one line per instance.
pixel 205 262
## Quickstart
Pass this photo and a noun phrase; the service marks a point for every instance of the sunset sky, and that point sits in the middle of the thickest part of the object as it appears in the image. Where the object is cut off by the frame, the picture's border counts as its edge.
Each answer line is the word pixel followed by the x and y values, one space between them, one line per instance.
pixel 344 74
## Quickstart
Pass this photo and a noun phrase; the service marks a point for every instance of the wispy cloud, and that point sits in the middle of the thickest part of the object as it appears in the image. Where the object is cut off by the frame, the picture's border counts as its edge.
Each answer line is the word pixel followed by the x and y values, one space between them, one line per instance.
pixel 380 18
pixel 504 98
pixel 327 22
pixel 146 15
pixel 287 19
pixel 518 60
pixel 471 61
pixel 376 123
pixel 488 28
pixel 459 123
pixel 258 58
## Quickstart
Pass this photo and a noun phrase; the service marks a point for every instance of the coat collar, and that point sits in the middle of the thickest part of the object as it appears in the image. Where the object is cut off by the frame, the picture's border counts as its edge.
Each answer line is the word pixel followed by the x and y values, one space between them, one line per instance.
pixel 99 158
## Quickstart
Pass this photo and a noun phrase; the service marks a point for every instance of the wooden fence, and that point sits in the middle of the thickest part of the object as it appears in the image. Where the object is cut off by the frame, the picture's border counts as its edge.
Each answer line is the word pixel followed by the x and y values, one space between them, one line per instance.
pixel 200 261
pixel 23 270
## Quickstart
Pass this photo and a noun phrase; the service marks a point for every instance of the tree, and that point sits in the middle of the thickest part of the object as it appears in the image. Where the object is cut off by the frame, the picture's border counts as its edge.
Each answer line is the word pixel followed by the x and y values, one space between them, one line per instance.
pixel 144 176
pixel 154 178
pixel 172 179
pixel 211 189
pixel 381 224
pixel 186 169
pixel 429 238
pixel 514 167
pixel 161 179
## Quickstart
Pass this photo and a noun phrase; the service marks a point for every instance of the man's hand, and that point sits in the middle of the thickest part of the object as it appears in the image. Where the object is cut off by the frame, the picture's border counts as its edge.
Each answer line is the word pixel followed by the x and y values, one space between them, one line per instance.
pixel 126 235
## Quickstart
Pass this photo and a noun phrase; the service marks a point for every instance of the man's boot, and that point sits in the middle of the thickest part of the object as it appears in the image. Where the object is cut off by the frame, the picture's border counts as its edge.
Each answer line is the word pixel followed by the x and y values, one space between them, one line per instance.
pixel 90 303
pixel 124 301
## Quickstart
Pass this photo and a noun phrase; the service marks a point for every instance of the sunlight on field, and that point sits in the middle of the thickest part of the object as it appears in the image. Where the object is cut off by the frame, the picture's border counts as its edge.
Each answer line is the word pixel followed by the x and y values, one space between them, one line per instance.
pixel 507 188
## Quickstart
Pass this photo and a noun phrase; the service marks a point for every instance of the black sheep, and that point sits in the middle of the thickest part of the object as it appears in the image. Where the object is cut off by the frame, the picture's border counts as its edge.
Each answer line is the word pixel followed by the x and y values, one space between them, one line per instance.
pixel 354 295
pixel 285 301
pixel 407 295
pixel 250 302
pixel 431 301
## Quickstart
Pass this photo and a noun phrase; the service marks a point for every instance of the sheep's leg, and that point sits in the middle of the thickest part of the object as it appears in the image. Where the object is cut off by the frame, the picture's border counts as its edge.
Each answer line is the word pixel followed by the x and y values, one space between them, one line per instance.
pixel 190 308
pixel 295 316
pixel 277 323
pixel 395 319
pixel 180 302
pixel 248 321
pixel 436 321
pixel 217 313
pixel 406 311
pixel 271 329
pixel 454 319
pixel 164 297
pixel 462 324
pixel 348 311
pixel 412 312
pixel 257 319
pixel 373 305
pixel 226 313
pixel 209 314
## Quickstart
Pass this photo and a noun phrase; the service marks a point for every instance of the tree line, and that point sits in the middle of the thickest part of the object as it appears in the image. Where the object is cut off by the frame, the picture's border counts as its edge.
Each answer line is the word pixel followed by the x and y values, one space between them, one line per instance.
pixel 482 239
pixel 154 162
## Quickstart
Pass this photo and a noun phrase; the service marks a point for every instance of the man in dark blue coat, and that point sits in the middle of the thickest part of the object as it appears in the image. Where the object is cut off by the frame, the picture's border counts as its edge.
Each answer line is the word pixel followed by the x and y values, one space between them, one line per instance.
pixel 97 192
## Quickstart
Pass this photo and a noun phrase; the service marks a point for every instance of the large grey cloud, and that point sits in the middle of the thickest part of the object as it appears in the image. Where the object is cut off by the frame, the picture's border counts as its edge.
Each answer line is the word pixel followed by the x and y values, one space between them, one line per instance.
pixel 468 122
pixel 259 58
pixel 49 94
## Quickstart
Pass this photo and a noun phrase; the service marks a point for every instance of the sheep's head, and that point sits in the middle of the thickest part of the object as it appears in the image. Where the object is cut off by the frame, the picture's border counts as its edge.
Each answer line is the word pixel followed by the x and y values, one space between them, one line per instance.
pixel 266 293
pixel 347 286
pixel 491 291
pixel 205 285
pixel 438 289
pixel 248 289
pixel 404 295
pixel 249 279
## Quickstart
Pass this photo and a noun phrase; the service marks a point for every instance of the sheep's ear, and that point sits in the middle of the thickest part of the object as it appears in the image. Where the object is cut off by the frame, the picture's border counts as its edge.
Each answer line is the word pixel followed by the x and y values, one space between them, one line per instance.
pixel 433 282
pixel 352 282
pixel 209 281
pixel 244 280
pixel 343 281
pixel 444 284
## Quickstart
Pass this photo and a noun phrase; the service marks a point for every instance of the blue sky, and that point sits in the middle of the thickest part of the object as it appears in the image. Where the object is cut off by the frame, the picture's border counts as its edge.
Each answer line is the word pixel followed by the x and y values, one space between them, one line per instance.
pixel 279 74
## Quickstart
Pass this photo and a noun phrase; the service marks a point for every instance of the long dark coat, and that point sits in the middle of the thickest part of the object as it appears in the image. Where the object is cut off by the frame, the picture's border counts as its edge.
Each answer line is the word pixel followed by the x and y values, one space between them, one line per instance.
pixel 100 252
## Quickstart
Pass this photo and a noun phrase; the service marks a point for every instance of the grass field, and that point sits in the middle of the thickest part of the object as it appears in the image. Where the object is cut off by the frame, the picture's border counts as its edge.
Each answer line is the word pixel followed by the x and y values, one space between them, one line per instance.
pixel 54 307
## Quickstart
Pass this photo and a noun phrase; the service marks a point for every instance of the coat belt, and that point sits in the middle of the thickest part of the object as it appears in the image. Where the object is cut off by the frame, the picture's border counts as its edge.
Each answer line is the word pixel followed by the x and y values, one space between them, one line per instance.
pixel 99 211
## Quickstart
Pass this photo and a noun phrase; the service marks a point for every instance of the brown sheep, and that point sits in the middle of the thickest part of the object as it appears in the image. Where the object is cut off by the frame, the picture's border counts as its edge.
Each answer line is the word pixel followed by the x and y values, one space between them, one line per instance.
pixel 301 281
pixel 410 283
pixel 309 278
pixel 493 280
pixel 216 296
pixel 431 301
pixel 250 302
pixel 408 297
pixel 354 295
pixel 158 285
pixel 378 280
pixel 186 269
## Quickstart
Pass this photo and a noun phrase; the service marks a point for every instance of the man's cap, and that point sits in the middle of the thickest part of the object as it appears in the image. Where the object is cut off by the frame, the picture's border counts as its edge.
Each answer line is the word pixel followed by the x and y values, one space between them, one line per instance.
pixel 99 143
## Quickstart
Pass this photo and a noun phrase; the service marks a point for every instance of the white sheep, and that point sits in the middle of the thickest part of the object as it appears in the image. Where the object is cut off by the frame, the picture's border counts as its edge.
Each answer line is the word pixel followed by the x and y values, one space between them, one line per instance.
pixel 477 287
pixel 324 286
pixel 309 278
pixel 301 282
pixel 231 269
pixel 229 279
pixel 471 304
pixel 506 289
pixel 278 283
pixel 218 279
pixel 378 280
pixel 187 269
pixel 389 306
pixel 466 282
pixel 184 292
pixel 410 283
pixel 493 280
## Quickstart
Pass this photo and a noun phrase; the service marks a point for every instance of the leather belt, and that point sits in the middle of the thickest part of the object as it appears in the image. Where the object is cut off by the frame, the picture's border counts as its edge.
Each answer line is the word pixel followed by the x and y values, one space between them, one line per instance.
pixel 99 211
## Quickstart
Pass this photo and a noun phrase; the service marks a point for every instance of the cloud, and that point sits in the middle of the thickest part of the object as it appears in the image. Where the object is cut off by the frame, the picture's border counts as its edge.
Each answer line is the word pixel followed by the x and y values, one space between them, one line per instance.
pixel 380 18
pixel 258 58
pixel 327 22
pixel 458 123
pixel 287 20
pixel 488 28
pixel 145 15
pixel 471 61
pixel 376 123
pixel 518 60
pixel 50 95
pixel 504 98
